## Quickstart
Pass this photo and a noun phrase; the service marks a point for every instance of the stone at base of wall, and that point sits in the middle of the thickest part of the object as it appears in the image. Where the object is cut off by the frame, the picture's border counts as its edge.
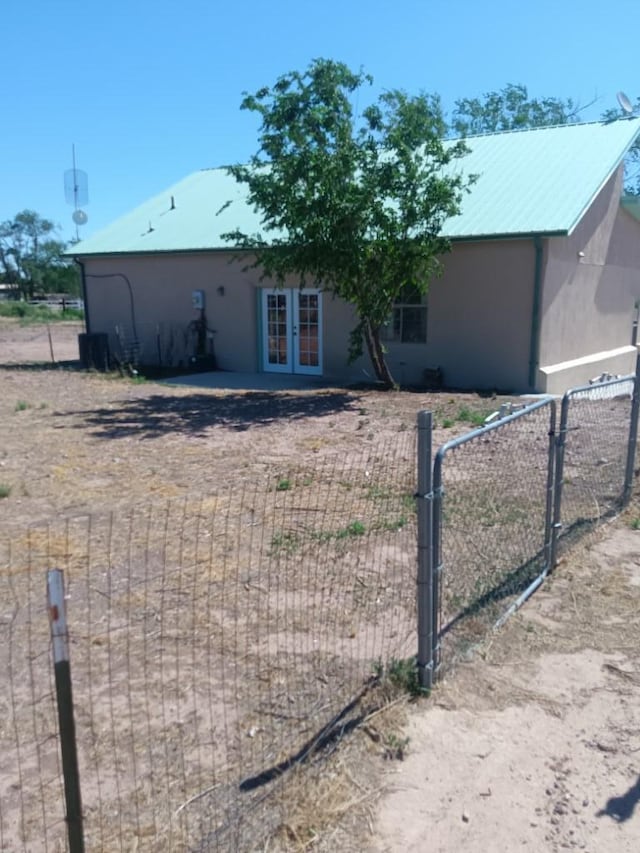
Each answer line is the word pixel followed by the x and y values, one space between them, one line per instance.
pixel 558 378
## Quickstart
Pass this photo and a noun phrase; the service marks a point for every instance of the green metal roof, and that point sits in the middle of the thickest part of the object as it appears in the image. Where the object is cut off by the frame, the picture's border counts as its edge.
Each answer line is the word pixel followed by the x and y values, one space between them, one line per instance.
pixel 538 181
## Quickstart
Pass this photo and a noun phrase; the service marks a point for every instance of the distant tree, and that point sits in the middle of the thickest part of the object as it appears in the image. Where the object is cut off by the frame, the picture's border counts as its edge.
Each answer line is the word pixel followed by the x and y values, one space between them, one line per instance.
pixel 31 259
pixel 632 163
pixel 354 203
pixel 510 108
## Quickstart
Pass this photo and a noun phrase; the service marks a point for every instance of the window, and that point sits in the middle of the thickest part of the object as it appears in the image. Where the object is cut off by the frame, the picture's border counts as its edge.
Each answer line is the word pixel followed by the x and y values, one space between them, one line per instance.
pixel 408 321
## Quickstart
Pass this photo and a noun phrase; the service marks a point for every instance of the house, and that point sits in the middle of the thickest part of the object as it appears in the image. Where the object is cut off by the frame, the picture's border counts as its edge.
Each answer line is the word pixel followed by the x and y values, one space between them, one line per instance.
pixel 538 292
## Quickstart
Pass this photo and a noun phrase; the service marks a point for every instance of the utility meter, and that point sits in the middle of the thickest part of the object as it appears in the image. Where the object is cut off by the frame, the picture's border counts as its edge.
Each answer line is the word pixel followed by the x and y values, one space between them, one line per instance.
pixel 197 299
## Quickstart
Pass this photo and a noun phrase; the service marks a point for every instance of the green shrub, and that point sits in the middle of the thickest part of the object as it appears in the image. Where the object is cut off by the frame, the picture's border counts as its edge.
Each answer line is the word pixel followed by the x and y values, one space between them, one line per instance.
pixel 30 314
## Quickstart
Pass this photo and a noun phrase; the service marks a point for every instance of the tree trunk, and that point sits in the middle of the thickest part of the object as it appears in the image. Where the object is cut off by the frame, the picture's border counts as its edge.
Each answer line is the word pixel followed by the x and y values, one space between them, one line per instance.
pixel 376 354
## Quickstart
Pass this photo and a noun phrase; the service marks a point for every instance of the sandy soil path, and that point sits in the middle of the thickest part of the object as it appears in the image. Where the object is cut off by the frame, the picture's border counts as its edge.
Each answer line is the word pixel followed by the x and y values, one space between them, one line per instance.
pixel 536 746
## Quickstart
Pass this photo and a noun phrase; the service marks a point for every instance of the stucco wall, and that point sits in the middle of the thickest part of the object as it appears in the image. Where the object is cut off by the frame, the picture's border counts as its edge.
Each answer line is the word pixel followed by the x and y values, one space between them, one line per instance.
pixel 591 281
pixel 478 326
pixel 478 320
pixel 480 315
pixel 161 287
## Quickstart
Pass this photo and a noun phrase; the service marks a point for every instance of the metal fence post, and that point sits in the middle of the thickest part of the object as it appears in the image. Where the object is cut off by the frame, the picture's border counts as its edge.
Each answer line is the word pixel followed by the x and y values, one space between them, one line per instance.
pixel 549 502
pixel 561 441
pixel 424 499
pixel 633 436
pixel 62 668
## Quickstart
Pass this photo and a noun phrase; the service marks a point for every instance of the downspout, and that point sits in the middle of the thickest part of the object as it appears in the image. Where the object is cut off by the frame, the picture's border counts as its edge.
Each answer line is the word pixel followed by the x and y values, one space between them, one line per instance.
pixel 534 346
pixel 83 287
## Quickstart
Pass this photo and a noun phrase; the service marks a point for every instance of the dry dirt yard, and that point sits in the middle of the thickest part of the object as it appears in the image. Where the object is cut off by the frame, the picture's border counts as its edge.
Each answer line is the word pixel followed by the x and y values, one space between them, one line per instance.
pixel 534 745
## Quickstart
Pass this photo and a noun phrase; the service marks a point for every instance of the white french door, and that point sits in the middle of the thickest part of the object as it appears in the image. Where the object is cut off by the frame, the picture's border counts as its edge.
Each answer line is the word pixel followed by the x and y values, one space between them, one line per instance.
pixel 292 331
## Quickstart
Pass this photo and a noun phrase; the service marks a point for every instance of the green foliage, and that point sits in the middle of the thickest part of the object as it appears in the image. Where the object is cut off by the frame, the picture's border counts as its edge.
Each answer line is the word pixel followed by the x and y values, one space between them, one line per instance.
pixel 352 203
pixel 355 528
pixel 33 314
pixel 395 747
pixel 31 259
pixel 283 485
pixel 22 406
pixel 402 674
pixel 471 416
pixel 510 108
pixel 284 541
pixel 634 524
pixel 632 162
pixel 5 490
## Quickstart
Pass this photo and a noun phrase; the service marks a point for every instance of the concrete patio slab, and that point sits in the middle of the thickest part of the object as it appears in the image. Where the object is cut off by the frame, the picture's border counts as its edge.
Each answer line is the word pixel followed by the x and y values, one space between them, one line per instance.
pixel 253 381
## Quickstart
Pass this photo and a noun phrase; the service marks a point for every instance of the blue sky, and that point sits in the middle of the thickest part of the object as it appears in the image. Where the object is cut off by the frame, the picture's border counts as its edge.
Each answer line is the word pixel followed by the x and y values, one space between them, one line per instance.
pixel 150 91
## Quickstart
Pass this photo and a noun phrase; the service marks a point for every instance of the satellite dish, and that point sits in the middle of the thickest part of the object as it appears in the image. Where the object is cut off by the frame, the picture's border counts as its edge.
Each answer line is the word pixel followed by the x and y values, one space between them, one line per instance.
pixel 79 217
pixel 625 104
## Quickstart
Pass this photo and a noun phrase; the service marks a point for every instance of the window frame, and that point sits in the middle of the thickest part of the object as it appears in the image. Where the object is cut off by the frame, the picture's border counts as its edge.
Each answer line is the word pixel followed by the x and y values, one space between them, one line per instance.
pixel 393 331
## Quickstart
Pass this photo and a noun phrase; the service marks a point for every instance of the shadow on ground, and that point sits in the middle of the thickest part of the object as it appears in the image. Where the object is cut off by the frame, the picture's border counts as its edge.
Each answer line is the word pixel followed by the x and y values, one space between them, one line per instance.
pixel 160 414
pixel 621 808
pixel 39 366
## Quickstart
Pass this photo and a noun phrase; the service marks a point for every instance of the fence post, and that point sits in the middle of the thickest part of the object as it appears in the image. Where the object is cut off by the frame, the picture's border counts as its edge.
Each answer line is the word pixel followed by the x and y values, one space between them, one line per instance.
pixel 62 669
pixel 633 436
pixel 424 499
pixel 551 487
pixel 561 440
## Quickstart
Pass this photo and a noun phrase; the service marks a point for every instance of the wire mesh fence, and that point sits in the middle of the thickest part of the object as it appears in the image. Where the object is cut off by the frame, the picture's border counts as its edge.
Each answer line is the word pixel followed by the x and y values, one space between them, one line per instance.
pixel 594 443
pixel 215 644
pixel 492 530
pixel 221 644
pixel 42 343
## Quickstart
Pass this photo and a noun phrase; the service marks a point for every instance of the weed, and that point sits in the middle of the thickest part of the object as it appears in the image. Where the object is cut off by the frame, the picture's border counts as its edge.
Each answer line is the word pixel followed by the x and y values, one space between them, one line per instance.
pixel 468 416
pixel 5 490
pixel 395 524
pixel 634 524
pixel 395 748
pixel 21 406
pixel 409 502
pixel 447 423
pixel 356 528
pixel 379 493
pixel 402 673
pixel 283 485
pixel 285 541
pixel 321 535
pixel 42 406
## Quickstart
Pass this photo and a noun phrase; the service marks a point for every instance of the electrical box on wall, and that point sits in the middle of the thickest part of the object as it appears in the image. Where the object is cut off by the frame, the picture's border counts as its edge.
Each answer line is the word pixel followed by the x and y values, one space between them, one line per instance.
pixel 197 299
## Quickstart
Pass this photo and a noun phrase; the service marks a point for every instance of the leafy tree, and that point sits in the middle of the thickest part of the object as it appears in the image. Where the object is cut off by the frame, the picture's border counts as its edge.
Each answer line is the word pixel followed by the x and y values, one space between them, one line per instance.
pixel 352 203
pixel 632 163
pixel 510 108
pixel 31 259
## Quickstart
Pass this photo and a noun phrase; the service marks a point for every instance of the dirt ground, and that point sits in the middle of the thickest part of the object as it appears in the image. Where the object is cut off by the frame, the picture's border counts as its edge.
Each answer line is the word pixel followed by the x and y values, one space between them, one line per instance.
pixel 533 745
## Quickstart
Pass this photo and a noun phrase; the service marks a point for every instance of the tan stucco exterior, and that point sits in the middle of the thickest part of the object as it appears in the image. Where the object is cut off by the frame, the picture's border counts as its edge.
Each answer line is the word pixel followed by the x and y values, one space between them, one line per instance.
pixel 590 283
pixel 465 339
pixel 479 312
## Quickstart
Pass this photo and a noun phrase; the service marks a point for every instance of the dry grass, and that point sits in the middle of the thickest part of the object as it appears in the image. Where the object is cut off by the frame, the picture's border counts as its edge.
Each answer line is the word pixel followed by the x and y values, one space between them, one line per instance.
pixel 189 681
